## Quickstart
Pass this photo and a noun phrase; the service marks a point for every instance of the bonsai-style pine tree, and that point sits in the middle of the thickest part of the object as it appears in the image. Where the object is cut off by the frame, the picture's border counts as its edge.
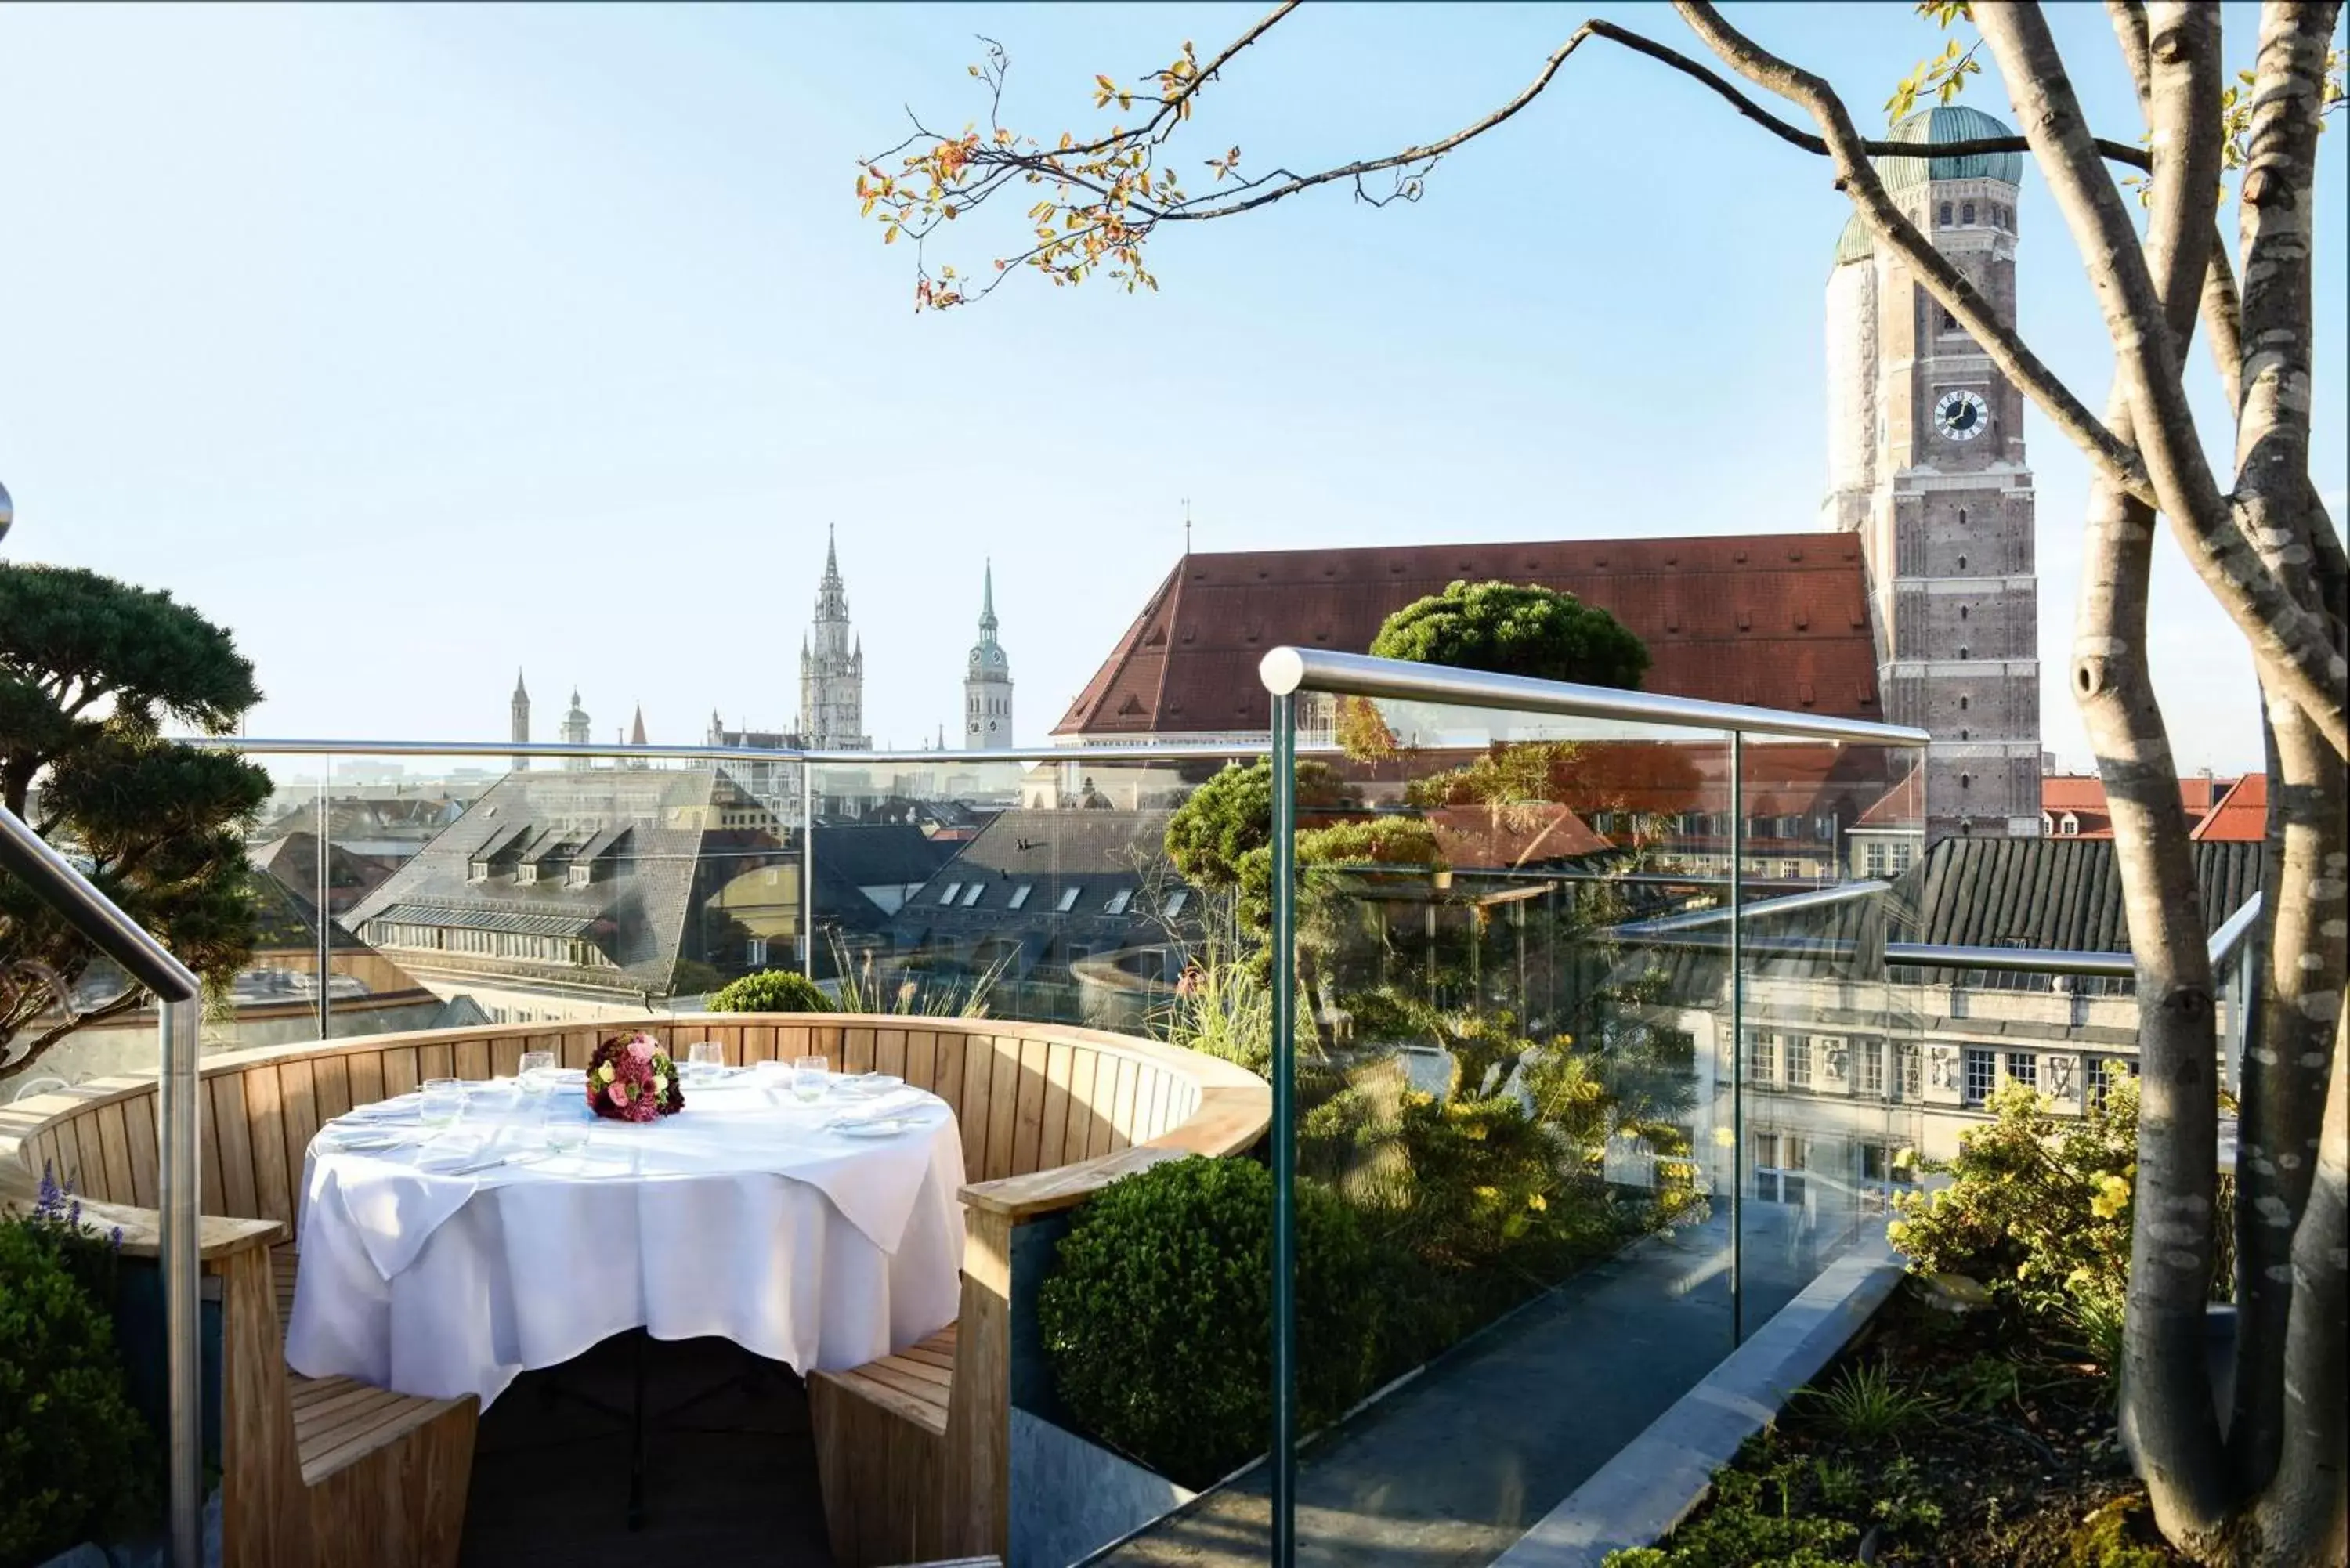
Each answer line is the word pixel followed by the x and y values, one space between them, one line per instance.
pixel 1509 629
pixel 90 669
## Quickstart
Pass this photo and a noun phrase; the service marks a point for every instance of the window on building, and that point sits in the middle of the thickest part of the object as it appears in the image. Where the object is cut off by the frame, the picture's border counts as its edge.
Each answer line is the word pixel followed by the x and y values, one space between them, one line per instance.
pixel 954 890
pixel 1020 895
pixel 1962 560
pixel 755 952
pixel 1119 901
pixel 2104 1073
pixel 1068 900
pixel 2023 1067
pixel 1908 1069
pixel 1799 1060
pixel 1966 781
pixel 1779 1162
pixel 1868 1061
pixel 972 894
pixel 2071 826
pixel 1176 900
pixel 1877 859
pixel 1950 322
pixel 1967 214
pixel 1982 1075
pixel 1762 1058
pixel 1962 704
pixel 1946 214
pixel 477 871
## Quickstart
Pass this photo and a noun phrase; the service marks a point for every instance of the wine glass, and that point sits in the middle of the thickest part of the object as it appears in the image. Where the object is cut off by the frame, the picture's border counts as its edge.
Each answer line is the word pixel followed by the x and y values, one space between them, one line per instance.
pixel 706 1059
pixel 442 1103
pixel 808 1079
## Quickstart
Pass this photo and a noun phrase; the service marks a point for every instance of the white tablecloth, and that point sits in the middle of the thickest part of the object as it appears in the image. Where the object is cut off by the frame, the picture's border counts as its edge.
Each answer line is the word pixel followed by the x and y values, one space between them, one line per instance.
pixel 742 1215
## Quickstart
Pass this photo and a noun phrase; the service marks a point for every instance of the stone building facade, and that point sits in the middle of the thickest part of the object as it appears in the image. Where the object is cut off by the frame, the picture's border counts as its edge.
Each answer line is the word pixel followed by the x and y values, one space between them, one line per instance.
pixel 832 670
pixel 1927 467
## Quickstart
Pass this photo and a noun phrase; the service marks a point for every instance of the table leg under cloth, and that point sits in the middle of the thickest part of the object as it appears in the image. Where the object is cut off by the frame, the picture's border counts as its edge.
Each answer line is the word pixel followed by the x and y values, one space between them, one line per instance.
pixel 641 1424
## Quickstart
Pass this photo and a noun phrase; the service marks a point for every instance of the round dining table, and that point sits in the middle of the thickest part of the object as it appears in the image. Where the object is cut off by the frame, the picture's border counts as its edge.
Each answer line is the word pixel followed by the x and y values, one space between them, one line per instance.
pixel 443 1260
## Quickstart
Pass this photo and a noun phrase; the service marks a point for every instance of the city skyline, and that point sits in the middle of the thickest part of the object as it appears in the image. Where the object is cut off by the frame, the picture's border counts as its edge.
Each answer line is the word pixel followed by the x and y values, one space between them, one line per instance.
pixel 607 446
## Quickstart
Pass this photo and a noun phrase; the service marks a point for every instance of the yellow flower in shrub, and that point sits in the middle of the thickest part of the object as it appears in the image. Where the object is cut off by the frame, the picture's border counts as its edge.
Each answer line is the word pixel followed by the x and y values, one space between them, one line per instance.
pixel 2113 1197
pixel 1537 1202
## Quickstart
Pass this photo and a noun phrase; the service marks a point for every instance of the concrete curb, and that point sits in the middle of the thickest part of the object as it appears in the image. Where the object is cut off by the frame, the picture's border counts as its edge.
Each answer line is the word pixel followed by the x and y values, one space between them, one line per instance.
pixel 1650 1486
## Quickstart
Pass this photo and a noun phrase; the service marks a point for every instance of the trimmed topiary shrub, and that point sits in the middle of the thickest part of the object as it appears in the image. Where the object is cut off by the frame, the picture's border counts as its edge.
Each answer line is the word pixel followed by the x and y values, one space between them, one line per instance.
pixel 1158 1314
pixel 76 1460
pixel 771 990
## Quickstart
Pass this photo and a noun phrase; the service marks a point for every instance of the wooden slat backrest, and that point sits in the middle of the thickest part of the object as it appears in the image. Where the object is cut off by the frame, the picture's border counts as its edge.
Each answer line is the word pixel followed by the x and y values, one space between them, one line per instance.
pixel 1029 1098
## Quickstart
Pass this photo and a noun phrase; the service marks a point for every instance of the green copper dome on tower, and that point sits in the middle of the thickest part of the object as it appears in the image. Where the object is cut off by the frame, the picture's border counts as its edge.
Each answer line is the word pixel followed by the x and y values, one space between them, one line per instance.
pixel 1950 122
pixel 1856 243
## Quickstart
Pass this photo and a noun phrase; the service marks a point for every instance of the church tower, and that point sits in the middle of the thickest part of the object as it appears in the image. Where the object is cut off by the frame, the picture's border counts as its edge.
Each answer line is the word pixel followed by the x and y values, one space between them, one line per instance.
pixel 574 731
pixel 520 735
pixel 987 681
pixel 832 670
pixel 1925 463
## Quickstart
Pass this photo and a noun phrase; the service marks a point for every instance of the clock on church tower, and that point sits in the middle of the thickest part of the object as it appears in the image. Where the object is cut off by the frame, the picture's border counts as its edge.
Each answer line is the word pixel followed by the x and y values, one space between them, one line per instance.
pixel 1925 463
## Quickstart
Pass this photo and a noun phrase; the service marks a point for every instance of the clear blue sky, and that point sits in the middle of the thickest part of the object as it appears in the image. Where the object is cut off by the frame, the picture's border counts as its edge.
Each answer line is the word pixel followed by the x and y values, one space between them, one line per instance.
pixel 417 345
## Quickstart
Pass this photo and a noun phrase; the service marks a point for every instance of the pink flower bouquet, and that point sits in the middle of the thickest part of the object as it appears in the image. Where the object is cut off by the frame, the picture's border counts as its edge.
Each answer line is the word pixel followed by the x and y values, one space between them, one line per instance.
pixel 631 1079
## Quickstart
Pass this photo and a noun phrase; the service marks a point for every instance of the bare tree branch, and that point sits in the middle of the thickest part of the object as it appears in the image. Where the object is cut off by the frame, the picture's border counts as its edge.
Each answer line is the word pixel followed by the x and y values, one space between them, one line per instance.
pixel 1936 273
pixel 2222 318
pixel 2290 645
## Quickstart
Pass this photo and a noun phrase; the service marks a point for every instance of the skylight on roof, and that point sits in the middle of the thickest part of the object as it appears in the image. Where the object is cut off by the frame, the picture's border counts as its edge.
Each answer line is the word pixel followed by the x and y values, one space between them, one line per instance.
pixel 1176 900
pixel 949 896
pixel 971 896
pixel 1068 900
pixel 1020 895
pixel 1119 901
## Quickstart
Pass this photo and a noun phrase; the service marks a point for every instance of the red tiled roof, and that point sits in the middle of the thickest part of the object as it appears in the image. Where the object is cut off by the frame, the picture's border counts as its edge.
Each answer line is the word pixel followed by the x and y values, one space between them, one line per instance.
pixel 1774 620
pixel 2241 815
pixel 2084 796
pixel 1510 835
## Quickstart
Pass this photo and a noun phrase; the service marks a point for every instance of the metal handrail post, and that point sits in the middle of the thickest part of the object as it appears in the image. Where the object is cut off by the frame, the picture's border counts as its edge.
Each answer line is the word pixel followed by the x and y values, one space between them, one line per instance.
pixel 1737 1039
pixel 53 878
pixel 807 870
pixel 1284 1132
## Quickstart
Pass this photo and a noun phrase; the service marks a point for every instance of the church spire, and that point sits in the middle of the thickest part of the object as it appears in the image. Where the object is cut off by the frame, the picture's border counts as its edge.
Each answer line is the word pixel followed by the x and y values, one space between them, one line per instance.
pixel 987 603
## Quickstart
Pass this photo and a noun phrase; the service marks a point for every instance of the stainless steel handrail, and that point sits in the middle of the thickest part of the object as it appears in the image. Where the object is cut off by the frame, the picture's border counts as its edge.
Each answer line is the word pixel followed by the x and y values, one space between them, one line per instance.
pixel 1286 671
pixel 30 858
pixel 2234 932
pixel 1768 909
pixel 1074 756
pixel 2019 960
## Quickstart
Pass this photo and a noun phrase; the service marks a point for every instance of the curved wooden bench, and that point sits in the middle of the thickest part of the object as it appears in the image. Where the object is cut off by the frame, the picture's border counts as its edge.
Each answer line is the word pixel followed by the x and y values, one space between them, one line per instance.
pixel 913 1448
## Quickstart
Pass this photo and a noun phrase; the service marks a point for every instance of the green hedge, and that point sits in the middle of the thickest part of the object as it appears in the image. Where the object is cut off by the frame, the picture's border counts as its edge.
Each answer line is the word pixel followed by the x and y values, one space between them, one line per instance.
pixel 1158 1314
pixel 77 1463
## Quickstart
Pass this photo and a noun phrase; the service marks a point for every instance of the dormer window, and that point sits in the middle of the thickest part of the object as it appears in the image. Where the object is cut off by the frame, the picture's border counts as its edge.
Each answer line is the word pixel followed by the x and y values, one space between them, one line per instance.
pixel 526 873
pixel 2071 826
pixel 477 871
pixel 582 874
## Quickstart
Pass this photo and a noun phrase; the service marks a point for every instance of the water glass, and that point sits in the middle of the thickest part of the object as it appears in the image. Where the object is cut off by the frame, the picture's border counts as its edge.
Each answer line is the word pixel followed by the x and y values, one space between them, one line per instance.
pixel 809 1079
pixel 705 1059
pixel 565 1134
pixel 443 1102
pixel 537 1070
